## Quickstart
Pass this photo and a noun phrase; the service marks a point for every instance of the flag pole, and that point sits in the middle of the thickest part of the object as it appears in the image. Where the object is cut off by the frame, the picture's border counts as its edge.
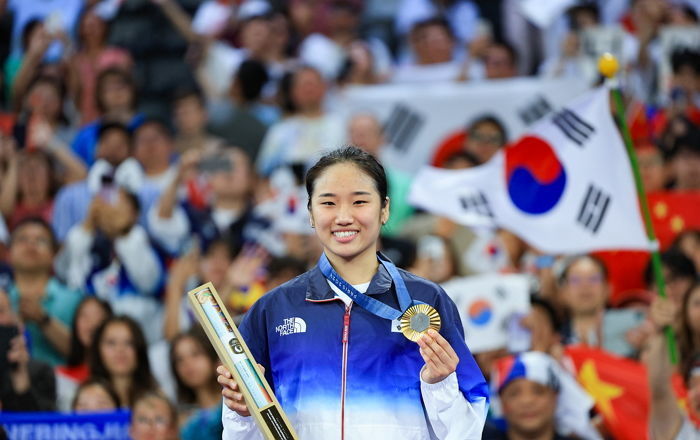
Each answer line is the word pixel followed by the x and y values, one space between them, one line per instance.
pixel 608 67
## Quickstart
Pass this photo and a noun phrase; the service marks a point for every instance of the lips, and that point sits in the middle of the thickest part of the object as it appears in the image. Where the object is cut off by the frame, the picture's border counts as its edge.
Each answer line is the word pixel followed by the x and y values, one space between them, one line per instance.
pixel 344 236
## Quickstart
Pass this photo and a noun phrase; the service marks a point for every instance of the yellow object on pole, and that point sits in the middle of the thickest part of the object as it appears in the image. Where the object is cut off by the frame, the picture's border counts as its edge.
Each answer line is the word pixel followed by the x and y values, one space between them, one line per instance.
pixel 608 66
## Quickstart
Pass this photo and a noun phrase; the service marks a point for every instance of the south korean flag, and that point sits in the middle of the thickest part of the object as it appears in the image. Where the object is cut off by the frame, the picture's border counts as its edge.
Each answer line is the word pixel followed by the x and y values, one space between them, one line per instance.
pixel 565 187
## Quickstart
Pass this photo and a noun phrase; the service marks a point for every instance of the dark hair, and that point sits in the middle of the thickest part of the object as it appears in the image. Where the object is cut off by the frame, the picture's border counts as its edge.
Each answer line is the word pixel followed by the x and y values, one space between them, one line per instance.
pixel 677 263
pixel 185 394
pixel 549 310
pixel 488 119
pixel 159 124
pixel 687 344
pixel 685 58
pixel 188 92
pixel 356 156
pixel 141 378
pixel 461 154
pixel 687 370
pixel 434 21
pixel 113 72
pixel 59 86
pixel 583 8
pixel 573 260
pixel 78 352
pixel 79 24
pixel 689 12
pixel 509 48
pixel 101 383
pixel 27 30
pixel 39 222
pixel 251 77
pixel 284 93
pixel 688 142
pixel 279 265
pixel 109 126
pixel 156 394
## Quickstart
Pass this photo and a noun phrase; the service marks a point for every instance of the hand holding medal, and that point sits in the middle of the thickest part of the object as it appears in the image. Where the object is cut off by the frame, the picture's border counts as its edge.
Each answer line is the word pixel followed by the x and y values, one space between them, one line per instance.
pixel 439 356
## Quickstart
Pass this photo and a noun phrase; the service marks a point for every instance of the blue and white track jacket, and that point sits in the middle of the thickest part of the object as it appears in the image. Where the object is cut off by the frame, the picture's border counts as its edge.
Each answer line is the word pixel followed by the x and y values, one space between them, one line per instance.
pixel 341 372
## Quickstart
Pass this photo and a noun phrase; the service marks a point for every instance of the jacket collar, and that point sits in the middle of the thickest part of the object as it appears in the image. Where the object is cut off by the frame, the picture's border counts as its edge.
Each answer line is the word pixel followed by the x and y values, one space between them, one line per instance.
pixel 318 289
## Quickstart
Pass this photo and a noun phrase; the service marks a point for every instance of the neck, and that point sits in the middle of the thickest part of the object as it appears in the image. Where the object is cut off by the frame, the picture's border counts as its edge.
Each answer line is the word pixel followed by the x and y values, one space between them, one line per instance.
pixel 546 433
pixel 122 115
pixel 312 112
pixel 208 396
pixel 230 203
pixel 122 384
pixel 157 170
pixel 357 270
pixel 93 47
pixel 32 281
pixel 584 324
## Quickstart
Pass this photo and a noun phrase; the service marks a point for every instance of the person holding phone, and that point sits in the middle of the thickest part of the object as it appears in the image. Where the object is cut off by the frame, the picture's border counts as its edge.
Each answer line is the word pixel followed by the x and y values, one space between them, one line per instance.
pixel 329 341
pixel 25 384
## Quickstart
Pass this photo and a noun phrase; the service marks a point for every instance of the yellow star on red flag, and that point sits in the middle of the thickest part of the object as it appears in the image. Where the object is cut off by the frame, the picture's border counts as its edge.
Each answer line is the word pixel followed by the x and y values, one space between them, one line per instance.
pixel 603 393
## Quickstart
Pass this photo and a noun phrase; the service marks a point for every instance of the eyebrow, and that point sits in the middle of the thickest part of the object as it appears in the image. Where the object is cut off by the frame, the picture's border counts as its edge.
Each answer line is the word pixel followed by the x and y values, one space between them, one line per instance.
pixel 356 193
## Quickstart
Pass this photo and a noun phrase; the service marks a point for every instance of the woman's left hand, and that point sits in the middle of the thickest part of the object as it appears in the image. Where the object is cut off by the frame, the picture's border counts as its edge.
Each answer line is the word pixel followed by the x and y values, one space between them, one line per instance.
pixel 440 359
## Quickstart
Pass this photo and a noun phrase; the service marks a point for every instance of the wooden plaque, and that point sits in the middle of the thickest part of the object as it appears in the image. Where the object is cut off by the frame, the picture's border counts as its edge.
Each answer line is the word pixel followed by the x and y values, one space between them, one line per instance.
pixel 234 354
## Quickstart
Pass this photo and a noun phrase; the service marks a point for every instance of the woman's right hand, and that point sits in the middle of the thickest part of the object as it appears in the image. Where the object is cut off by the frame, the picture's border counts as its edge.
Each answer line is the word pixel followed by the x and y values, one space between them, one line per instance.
pixel 233 397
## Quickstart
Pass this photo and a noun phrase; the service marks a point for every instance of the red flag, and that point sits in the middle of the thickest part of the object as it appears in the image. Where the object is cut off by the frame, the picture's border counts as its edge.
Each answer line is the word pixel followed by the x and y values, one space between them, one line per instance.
pixel 674 212
pixel 619 388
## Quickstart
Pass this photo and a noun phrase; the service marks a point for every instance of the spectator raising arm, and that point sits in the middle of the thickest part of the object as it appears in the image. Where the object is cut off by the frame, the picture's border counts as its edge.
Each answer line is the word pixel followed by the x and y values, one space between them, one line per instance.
pixel 665 419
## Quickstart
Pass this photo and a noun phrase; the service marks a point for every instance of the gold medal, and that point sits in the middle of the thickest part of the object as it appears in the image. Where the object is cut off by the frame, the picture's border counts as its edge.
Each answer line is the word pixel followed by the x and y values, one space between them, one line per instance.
pixel 418 319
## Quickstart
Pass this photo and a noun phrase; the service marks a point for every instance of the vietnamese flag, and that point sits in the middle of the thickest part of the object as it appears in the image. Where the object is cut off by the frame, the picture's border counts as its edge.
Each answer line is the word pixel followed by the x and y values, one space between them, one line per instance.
pixel 619 388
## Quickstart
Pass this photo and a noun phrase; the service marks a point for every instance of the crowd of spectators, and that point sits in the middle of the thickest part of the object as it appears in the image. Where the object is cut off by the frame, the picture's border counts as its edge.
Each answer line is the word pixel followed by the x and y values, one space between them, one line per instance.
pixel 149 146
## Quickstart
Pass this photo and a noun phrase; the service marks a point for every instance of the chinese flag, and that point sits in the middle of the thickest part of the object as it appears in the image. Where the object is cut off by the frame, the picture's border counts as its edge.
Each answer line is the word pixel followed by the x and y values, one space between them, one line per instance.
pixel 619 388
pixel 673 212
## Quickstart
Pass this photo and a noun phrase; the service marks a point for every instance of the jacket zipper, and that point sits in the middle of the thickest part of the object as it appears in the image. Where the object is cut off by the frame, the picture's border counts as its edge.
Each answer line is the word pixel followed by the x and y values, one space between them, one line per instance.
pixel 346 337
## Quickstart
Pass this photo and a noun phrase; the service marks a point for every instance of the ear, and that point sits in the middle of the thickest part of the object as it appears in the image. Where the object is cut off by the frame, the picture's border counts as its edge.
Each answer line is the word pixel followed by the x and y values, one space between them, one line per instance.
pixel 385 211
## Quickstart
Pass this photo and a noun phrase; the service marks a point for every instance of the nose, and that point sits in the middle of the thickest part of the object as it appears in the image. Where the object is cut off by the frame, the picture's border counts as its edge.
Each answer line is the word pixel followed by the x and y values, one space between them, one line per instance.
pixel 343 215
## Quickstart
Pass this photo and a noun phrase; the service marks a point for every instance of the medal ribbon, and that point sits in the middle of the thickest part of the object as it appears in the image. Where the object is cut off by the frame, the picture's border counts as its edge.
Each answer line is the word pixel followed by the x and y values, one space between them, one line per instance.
pixel 365 301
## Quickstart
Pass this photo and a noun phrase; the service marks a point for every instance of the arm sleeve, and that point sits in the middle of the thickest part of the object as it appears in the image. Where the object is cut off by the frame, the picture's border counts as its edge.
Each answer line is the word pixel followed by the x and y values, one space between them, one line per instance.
pixel 168 232
pixel 450 414
pixel 237 427
pixel 458 405
pixel 139 260
pixel 74 263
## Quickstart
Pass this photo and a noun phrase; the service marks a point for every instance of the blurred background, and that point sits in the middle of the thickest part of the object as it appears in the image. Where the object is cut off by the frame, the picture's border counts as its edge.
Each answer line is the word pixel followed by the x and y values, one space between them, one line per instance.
pixel 149 146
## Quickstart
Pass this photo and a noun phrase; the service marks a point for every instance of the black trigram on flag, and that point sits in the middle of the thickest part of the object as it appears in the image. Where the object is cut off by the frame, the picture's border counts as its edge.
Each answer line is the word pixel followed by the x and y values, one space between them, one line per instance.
pixel 535 110
pixel 477 203
pixel 573 127
pixel 402 126
pixel 593 209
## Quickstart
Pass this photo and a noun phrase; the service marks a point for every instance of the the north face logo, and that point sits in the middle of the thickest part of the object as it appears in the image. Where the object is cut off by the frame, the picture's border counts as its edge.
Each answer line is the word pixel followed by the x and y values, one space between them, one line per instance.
pixel 291 325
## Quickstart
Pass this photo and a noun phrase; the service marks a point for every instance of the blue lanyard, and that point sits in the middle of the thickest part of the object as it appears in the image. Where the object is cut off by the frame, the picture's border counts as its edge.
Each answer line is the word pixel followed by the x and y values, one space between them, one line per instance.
pixel 365 301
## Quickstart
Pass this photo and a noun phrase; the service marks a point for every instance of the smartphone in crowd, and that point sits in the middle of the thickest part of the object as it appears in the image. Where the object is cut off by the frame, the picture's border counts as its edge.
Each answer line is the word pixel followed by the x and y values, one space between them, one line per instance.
pixel 215 163
pixel 7 333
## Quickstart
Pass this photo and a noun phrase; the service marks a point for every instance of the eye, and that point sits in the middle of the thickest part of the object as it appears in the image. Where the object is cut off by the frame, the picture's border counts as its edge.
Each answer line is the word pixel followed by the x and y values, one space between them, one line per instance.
pixel 327 203
pixel 360 202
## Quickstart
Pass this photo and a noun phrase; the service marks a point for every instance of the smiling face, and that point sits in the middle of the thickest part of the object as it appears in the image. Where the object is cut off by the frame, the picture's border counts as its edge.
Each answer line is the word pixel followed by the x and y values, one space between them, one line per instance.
pixel 347 212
